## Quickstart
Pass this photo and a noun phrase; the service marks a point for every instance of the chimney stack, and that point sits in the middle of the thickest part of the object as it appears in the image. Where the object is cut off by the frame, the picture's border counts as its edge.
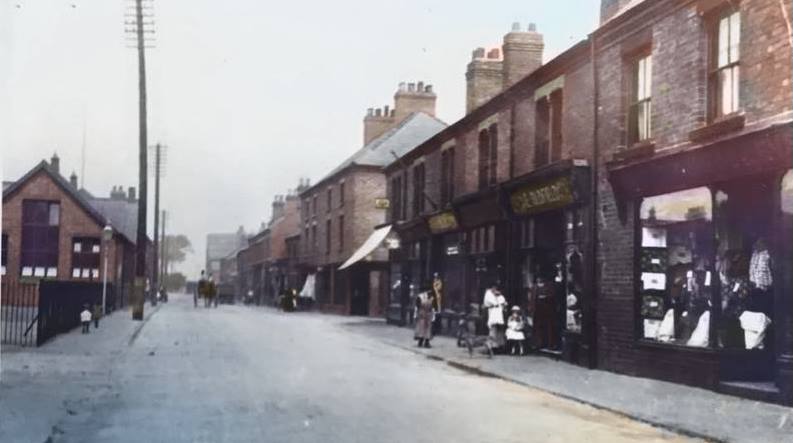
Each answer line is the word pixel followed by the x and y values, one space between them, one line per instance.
pixel 522 53
pixel 73 179
pixel 609 8
pixel 55 163
pixel 484 77
pixel 408 99
pixel 130 194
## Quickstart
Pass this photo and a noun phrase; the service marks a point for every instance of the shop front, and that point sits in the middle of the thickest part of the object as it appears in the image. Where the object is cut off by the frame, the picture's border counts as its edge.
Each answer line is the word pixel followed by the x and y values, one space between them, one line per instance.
pixel 548 272
pixel 407 269
pixel 712 261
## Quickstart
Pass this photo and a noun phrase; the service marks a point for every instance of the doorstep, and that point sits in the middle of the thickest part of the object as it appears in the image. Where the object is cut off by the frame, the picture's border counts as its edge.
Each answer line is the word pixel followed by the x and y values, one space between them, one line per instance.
pixel 753 390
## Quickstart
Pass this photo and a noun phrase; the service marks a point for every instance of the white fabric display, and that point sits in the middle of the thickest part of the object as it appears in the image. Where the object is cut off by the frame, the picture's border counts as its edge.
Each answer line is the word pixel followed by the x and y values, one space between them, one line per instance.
pixel 701 333
pixel 666 332
pixel 651 328
pixel 653 237
pixel 754 325
pixel 654 280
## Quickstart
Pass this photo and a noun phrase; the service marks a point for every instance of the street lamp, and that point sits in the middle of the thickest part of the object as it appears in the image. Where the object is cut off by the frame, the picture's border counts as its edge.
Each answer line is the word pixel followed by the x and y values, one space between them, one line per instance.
pixel 107 235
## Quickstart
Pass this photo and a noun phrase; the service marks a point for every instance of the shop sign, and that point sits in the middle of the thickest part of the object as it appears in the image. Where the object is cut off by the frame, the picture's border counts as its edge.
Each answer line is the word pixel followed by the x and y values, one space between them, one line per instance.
pixel 538 197
pixel 445 221
pixel 382 203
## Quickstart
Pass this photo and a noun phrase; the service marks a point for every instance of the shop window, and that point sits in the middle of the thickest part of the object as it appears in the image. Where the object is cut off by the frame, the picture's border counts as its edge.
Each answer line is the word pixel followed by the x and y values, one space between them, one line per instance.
pixel 724 78
pixel 527 233
pixel 40 231
pixel 85 257
pixel 639 112
pixel 675 278
pixel 447 175
pixel 4 254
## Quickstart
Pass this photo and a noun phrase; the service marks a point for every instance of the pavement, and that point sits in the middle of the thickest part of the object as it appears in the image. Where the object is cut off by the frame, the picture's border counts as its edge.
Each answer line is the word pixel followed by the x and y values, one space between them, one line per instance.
pixel 242 374
pixel 683 409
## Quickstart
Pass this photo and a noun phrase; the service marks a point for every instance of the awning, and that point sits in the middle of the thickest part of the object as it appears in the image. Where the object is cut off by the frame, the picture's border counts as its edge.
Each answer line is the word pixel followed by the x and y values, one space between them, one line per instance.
pixel 367 247
pixel 308 287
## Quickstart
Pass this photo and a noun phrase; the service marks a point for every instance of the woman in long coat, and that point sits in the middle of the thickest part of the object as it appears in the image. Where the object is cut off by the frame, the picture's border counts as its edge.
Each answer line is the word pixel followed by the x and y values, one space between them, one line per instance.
pixel 425 311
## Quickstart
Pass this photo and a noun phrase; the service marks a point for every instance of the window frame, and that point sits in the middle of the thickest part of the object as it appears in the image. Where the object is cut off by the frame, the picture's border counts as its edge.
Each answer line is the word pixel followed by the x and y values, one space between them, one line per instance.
pixel 635 99
pixel 715 85
pixel 82 257
pixel 44 251
pixel 484 158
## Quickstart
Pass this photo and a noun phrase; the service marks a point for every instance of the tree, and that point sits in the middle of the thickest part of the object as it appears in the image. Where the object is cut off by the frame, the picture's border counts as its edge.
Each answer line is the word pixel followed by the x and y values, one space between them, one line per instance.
pixel 176 249
pixel 175 282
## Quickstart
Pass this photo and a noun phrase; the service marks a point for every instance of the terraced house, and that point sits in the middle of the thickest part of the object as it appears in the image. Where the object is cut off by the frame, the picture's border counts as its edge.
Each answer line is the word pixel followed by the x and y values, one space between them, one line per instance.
pixel 633 194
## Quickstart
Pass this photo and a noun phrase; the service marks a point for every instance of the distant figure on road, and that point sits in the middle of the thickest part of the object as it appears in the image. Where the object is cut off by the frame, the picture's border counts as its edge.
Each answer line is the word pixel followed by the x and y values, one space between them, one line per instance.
pixel 85 319
pixel 97 315
pixel 210 292
pixel 201 289
pixel 426 306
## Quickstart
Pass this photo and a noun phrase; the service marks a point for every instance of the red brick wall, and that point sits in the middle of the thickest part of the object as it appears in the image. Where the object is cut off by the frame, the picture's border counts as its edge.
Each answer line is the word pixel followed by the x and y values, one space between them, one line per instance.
pixel 74 222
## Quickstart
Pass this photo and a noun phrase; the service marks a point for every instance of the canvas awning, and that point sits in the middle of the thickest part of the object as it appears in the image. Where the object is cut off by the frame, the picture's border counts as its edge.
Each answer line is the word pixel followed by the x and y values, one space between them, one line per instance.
pixel 308 287
pixel 368 246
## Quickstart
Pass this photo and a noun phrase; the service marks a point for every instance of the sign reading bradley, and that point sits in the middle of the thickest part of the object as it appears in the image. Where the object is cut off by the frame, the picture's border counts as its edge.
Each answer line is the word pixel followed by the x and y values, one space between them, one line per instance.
pixel 537 197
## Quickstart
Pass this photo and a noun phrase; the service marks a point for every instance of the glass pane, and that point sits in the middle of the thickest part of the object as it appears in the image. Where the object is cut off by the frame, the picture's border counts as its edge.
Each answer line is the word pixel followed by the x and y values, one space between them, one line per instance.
pixel 640 86
pixel 691 204
pixel 735 36
pixel 723 42
pixel 735 89
pixel 725 84
pixel 55 214
pixel 648 75
pixel 787 193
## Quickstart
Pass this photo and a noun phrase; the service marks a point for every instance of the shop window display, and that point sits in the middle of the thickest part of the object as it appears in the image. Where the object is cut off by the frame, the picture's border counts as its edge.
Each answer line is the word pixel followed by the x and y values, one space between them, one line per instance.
pixel 744 264
pixel 675 270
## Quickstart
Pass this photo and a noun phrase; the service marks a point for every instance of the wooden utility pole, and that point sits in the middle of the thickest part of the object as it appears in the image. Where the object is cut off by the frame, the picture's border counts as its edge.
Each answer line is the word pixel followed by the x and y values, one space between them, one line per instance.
pixel 155 265
pixel 141 241
pixel 164 249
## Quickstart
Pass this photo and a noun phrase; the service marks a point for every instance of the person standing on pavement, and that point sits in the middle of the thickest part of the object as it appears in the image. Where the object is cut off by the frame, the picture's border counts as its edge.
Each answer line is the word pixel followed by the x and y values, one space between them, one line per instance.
pixel 495 303
pixel 201 289
pixel 426 306
pixel 97 314
pixel 85 319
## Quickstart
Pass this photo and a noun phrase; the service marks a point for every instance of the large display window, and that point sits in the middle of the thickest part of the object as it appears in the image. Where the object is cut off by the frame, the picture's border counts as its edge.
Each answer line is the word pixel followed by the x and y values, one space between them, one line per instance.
pixel 675 271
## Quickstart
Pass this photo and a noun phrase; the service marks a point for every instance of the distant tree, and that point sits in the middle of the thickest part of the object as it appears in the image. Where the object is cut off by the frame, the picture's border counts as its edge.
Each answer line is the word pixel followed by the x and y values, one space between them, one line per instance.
pixel 176 249
pixel 175 282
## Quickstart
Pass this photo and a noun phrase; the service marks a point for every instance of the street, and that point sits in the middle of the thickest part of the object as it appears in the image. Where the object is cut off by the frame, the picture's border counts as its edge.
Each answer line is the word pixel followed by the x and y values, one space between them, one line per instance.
pixel 239 373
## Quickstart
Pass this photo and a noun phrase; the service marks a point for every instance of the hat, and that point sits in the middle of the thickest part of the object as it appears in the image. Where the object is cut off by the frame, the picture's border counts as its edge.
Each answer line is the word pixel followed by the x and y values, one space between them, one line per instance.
pixel 515 308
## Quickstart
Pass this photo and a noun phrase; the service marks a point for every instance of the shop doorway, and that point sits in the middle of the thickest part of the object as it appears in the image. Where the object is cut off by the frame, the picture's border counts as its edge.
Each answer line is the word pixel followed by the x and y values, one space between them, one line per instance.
pixel 745 256
pixel 358 283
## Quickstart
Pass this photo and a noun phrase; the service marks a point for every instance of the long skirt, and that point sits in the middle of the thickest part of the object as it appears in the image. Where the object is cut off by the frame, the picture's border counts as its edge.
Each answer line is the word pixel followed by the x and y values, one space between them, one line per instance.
pixel 423 325
pixel 496 336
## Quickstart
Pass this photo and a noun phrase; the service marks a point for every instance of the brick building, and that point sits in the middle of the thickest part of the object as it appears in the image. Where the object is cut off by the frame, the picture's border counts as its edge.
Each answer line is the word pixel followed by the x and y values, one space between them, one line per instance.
pixel 501 196
pixel 660 146
pixel 252 266
pixel 221 245
pixel 53 230
pixel 339 212
pixel 694 141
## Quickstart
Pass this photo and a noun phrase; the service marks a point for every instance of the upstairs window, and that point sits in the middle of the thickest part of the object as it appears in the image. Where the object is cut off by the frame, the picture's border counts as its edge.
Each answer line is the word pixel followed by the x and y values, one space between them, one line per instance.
pixel 418 189
pixel 328 236
pixel 341 194
pixel 484 158
pixel 548 129
pixel 330 200
pixel 40 231
pixel 723 80
pixel 314 205
pixel 341 233
pixel 447 175
pixel 85 257
pixel 639 120
pixel 396 198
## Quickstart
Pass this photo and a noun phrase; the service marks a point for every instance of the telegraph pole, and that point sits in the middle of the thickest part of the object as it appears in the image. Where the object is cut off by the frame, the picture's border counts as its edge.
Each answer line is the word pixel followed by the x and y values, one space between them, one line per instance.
pixel 164 249
pixel 139 290
pixel 155 265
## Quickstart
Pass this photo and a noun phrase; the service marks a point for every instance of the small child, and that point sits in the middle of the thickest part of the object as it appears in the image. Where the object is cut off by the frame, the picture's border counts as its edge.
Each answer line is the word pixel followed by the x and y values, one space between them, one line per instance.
pixel 85 319
pixel 515 336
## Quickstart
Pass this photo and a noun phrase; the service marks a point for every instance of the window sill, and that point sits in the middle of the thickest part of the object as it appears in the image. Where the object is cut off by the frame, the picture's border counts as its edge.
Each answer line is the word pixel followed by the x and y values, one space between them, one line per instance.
pixel 642 149
pixel 651 344
pixel 718 127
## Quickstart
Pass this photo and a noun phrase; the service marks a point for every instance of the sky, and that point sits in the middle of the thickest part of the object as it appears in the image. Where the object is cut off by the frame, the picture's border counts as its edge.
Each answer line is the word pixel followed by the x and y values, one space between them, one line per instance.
pixel 247 95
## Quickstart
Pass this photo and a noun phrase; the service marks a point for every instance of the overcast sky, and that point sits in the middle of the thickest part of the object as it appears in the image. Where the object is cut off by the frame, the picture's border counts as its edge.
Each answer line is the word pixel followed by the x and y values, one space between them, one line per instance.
pixel 249 95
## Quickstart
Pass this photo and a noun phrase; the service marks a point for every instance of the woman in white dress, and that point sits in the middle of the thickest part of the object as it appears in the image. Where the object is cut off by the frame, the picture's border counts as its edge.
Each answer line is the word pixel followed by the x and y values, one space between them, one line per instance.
pixel 495 303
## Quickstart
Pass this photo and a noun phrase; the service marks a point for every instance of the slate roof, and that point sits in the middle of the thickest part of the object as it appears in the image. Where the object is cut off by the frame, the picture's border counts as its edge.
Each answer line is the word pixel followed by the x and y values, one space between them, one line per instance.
pixel 7 184
pixel 415 129
pixel 122 214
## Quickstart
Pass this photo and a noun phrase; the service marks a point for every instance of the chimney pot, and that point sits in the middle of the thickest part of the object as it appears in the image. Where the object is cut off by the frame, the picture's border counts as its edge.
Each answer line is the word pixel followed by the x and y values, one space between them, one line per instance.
pixel 378 112
pixel 386 112
pixel 411 87
pixel 478 53
pixel 420 86
pixel 515 27
pixel 428 89
pixel 493 54
pixel 532 27
pixel 370 112
pixel 73 179
pixel 131 194
pixel 402 86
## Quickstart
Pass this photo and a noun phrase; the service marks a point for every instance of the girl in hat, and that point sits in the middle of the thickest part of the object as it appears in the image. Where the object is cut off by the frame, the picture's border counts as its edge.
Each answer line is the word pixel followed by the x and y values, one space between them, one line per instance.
pixel 515 336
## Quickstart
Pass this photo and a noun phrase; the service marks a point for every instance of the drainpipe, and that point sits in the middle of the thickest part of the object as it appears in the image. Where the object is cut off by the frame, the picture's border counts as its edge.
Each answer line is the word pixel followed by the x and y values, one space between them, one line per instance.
pixel 594 207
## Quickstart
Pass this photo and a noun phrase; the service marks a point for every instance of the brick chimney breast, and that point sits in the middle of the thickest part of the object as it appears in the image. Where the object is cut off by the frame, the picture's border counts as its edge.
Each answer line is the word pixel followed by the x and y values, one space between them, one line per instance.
pixel 522 53
pixel 484 77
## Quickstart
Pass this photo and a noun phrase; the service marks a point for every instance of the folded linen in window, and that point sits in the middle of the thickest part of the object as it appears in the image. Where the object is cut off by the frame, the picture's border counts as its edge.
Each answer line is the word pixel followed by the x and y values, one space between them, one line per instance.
pixel 701 333
pixel 654 280
pixel 754 326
